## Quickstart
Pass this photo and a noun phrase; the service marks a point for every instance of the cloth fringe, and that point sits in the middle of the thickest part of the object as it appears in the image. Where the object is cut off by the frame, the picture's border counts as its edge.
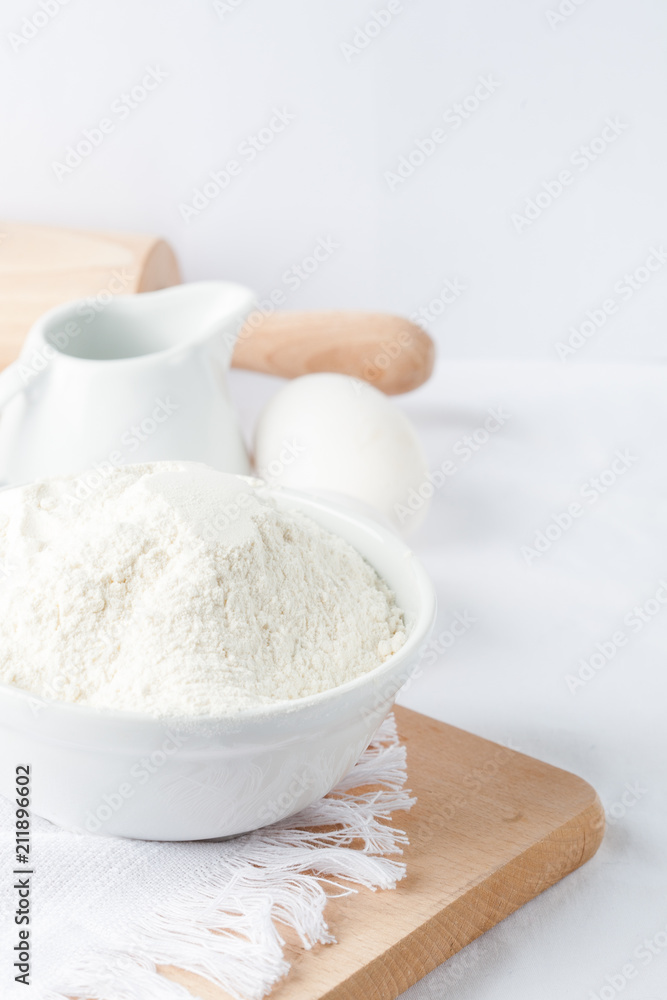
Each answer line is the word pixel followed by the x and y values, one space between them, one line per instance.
pixel 228 928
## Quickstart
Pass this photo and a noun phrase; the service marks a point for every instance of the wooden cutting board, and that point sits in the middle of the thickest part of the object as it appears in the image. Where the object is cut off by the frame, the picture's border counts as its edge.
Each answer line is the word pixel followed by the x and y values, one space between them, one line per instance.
pixel 492 828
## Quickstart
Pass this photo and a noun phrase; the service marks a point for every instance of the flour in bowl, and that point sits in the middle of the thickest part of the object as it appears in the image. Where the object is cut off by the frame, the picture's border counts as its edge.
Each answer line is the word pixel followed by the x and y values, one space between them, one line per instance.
pixel 173 589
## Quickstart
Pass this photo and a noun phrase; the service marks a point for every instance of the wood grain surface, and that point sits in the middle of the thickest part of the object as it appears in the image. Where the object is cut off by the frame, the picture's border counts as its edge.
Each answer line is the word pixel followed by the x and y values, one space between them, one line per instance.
pixel 390 352
pixel 41 267
pixel 492 829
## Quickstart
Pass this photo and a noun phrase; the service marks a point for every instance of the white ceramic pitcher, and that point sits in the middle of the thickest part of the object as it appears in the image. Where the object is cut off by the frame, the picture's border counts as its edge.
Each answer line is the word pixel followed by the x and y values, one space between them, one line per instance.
pixel 140 378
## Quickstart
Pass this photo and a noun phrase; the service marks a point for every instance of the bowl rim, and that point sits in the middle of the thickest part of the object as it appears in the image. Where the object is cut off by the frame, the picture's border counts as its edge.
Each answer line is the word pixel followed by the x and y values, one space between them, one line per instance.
pixel 420 628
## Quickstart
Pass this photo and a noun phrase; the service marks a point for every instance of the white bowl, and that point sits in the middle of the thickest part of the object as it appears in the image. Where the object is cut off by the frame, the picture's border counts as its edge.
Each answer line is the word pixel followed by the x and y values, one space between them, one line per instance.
pixel 128 774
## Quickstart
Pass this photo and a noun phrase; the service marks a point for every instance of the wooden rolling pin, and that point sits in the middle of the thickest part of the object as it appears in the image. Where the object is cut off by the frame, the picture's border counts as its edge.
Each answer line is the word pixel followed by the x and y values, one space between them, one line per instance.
pixel 42 267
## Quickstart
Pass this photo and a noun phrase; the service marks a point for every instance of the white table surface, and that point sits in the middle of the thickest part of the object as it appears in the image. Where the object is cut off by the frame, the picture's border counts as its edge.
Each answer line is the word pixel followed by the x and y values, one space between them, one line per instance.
pixel 536 619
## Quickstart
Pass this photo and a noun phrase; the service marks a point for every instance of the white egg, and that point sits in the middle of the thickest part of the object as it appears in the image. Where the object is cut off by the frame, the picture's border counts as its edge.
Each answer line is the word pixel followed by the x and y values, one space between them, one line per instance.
pixel 335 434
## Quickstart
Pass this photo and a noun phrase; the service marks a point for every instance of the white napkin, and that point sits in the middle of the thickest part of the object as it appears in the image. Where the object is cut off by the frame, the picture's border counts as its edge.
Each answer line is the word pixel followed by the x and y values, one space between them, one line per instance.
pixel 106 911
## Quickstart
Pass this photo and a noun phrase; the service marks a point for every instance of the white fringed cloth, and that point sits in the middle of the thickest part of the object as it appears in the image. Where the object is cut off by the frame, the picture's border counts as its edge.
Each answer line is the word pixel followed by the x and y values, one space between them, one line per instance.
pixel 106 912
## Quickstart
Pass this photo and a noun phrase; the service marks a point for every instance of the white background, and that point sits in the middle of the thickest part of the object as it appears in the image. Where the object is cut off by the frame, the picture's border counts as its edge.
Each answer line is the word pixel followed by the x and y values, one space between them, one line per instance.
pixel 354 117
pixel 452 219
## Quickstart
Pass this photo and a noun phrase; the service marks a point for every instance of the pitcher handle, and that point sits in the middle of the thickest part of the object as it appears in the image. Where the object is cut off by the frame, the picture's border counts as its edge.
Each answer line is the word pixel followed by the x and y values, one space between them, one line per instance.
pixel 11 383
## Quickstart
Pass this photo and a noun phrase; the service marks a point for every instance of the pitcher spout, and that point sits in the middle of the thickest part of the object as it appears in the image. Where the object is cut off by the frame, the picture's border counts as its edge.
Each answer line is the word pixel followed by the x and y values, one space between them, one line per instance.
pixel 151 323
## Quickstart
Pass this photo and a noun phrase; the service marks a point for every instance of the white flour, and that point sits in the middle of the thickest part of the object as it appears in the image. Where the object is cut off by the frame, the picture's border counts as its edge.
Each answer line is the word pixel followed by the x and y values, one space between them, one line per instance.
pixel 176 590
